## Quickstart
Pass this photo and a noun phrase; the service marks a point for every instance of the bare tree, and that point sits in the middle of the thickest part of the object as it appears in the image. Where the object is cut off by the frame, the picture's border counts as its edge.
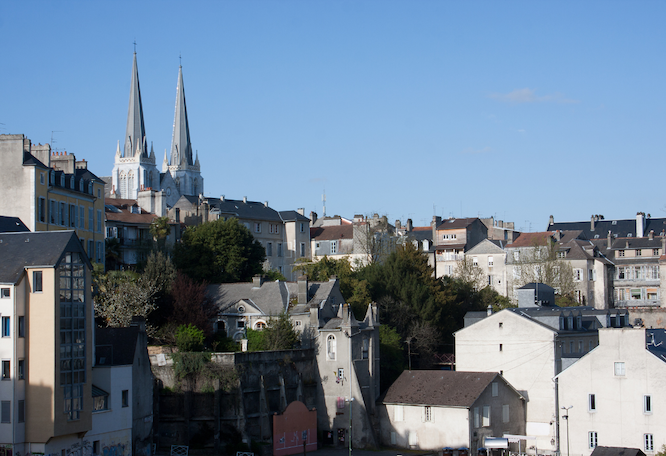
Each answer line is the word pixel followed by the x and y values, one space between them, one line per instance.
pixel 374 238
pixel 470 273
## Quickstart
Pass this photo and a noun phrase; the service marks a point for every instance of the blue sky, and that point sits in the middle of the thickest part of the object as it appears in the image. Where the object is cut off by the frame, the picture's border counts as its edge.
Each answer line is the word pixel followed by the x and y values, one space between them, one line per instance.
pixel 404 108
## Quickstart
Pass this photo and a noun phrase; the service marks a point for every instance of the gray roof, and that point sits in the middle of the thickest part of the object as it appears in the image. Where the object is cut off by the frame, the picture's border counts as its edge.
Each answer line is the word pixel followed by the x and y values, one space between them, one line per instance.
pixel 271 298
pixel 488 246
pixel 39 249
pixel 242 210
pixel 289 216
pixel 656 342
pixel 439 387
pixel 12 225
pixel 618 228
pixel 115 346
pixel 616 451
pixel 181 148
pixel 29 159
pixel 136 131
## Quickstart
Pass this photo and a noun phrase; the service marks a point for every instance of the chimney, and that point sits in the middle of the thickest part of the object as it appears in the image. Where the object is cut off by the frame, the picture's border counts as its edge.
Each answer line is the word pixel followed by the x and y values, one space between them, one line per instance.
pixel 398 225
pixel 551 221
pixel 257 281
pixel 651 235
pixel 245 199
pixel 301 210
pixel 313 217
pixel 436 220
pixel 640 223
pixel 489 310
pixel 222 198
pixel 592 220
pixel 265 203
pixel 303 290
pixel 409 225
pixel 663 245
pixel 609 240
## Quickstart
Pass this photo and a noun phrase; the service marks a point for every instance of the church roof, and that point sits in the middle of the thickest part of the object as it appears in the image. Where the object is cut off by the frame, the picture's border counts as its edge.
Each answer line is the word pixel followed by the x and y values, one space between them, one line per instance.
pixel 181 148
pixel 135 135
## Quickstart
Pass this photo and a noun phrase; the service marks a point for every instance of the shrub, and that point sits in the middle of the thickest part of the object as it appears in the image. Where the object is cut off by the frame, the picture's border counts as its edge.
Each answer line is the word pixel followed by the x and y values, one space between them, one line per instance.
pixel 189 338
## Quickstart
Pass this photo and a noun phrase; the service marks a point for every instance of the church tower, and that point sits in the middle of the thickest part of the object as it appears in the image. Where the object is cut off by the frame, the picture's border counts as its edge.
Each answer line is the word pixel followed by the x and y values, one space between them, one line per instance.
pixel 182 166
pixel 134 168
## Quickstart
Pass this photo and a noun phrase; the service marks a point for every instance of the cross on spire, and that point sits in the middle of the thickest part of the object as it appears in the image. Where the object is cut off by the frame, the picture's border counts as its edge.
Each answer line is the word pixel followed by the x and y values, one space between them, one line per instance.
pixel 135 46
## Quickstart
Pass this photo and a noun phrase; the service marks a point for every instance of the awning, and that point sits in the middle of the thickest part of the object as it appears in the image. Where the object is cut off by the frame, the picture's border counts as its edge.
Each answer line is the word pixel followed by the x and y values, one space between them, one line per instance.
pixel 496 442
pixel 98 392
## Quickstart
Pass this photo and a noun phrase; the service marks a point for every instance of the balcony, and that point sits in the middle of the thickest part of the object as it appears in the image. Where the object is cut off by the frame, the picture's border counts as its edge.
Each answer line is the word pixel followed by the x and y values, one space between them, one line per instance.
pixel 638 303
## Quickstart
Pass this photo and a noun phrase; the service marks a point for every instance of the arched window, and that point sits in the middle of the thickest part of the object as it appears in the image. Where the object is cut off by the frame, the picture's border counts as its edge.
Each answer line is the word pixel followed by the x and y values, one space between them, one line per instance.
pixel 71 183
pixel 123 185
pixel 62 180
pixel 259 325
pixel 130 185
pixel 330 347
pixel 221 326
pixel 81 185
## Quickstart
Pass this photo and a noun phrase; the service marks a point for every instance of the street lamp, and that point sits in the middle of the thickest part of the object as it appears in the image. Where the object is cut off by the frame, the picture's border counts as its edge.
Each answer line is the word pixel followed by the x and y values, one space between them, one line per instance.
pixel 351 399
pixel 566 417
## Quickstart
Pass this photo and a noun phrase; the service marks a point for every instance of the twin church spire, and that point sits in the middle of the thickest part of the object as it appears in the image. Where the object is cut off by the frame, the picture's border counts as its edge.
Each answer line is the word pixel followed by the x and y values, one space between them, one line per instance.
pixel 134 169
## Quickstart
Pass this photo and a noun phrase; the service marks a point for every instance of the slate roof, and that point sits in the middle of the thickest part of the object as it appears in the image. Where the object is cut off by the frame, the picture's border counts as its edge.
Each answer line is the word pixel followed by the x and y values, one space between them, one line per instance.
pixel 115 346
pixel 271 298
pixel 290 216
pixel 249 210
pixel 420 233
pixel 656 342
pixel 636 243
pixel 457 223
pixel 12 225
pixel 439 387
pixel 327 233
pixel 29 159
pixel 616 451
pixel 119 210
pixel 39 249
pixel 619 228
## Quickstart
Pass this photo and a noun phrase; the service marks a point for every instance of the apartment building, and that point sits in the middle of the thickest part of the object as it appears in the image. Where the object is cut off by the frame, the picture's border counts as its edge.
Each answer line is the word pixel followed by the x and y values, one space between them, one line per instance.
pixel 52 192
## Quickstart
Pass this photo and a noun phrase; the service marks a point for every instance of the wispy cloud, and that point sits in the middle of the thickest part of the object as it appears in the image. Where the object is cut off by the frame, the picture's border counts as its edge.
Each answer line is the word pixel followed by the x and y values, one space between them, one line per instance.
pixel 472 151
pixel 529 96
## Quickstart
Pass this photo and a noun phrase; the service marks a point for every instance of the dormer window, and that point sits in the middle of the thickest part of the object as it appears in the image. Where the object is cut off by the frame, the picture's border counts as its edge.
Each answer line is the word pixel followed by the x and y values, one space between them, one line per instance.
pixel 81 185
pixel 71 182
pixel 570 322
pixel 62 180
pixel 90 188
pixel 52 179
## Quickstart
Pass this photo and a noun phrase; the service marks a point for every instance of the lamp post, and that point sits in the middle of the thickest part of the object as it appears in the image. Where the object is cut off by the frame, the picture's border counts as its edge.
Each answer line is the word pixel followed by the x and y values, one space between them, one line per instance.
pixel 351 399
pixel 566 417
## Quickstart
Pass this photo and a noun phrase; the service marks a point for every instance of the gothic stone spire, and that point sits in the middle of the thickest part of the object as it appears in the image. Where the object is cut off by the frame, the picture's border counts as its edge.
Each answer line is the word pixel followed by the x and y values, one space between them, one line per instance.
pixel 181 148
pixel 135 136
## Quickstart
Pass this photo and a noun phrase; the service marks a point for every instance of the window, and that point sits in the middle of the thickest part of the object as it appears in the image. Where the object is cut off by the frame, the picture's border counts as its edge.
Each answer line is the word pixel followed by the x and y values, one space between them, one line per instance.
pixel 6 327
pixel 486 416
pixel 42 210
pixel 620 253
pixel 101 402
pixel 21 326
pixel 260 325
pixel 21 411
pixel 505 413
pixel 475 261
pixel 490 261
pixel 279 249
pixel 269 249
pixel 334 247
pixel 82 217
pixel 399 413
pixel 490 279
pixel 63 215
pixel 6 369
pixel 4 293
pixel 501 347
pixel 591 275
pixel 302 227
pixel 96 448
pixel 37 281
pixel 100 246
pixel 591 402
pixel 257 227
pixel 571 346
pixel 649 442
pixel 592 439
pixel 365 349
pixel 62 180
pixel 476 417
pixel 72 215
pixel 99 220
pixel 21 369
pixel 578 274
pixel 240 324
pixel 330 347
pixel 647 404
pixel 91 216
pixel 655 252
pixel 302 249
pixel 619 369
pixel 427 413
pixel 41 178
pixel 495 389
pixel 638 252
pixel 6 411
pixel 91 248
pixel 125 398
pixel 580 346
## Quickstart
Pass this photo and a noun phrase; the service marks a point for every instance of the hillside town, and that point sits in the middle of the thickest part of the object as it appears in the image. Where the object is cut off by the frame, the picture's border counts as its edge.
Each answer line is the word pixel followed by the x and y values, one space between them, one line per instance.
pixel 141 314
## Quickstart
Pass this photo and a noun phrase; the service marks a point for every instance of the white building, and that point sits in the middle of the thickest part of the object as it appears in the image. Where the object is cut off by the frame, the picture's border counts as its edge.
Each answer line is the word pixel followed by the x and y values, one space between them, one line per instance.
pixel 617 393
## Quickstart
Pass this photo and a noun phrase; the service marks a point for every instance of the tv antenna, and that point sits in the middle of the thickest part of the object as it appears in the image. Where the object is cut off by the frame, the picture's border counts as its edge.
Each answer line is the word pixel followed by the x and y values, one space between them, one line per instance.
pixel 53 139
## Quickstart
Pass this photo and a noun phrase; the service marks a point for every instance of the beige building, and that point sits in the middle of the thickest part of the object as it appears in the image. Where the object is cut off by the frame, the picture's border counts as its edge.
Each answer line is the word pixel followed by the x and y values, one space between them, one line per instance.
pixel 51 192
pixel 46 345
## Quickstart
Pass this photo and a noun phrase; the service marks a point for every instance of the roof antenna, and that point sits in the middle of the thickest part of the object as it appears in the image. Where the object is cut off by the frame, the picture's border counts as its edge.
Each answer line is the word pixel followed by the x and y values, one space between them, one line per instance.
pixel 180 60
pixel 135 45
pixel 323 198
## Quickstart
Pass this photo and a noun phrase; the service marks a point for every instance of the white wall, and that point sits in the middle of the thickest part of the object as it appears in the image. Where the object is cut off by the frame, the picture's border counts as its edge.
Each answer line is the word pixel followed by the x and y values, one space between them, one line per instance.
pixel 113 380
pixel 619 418
pixel 448 427
pixel 526 360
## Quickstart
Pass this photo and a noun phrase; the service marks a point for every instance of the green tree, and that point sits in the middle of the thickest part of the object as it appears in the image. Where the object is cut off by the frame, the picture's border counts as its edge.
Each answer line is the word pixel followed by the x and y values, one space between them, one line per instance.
pixel 280 334
pixel 159 230
pixel 189 338
pixel 322 270
pixel 219 251
pixel 391 354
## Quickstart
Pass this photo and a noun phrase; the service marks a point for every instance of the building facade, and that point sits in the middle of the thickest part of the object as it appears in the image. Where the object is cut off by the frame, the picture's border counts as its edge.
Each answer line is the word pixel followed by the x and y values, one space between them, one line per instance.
pixel 51 192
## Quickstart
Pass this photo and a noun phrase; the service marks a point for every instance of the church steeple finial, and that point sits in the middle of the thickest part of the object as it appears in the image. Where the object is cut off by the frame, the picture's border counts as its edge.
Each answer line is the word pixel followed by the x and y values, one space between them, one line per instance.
pixel 181 148
pixel 136 132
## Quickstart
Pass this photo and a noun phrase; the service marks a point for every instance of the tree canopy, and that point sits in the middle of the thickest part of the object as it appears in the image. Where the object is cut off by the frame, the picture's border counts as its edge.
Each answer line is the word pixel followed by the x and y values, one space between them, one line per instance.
pixel 219 251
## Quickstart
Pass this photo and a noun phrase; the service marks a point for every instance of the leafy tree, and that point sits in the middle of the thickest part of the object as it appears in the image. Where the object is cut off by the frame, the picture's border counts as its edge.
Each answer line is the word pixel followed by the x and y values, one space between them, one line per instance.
pixel 159 230
pixel 322 270
pixel 273 275
pixel 189 338
pixel 391 354
pixel 121 295
pixel 190 303
pixel 470 273
pixel 219 251
pixel 160 270
pixel 280 334
pixel 256 340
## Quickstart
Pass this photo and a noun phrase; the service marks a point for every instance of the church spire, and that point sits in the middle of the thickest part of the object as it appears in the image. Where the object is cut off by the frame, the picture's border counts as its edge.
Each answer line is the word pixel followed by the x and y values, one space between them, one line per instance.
pixel 135 135
pixel 181 148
